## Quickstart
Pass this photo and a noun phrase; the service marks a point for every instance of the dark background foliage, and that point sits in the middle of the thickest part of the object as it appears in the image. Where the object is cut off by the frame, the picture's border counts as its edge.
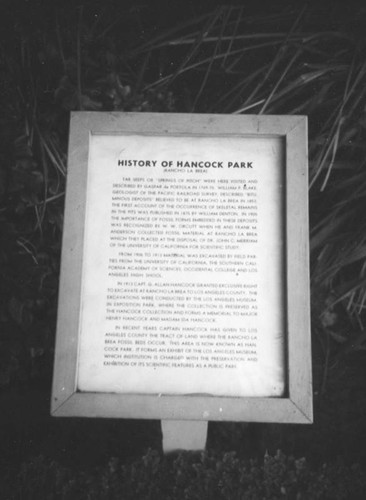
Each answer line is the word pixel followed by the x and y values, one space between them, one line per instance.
pixel 267 57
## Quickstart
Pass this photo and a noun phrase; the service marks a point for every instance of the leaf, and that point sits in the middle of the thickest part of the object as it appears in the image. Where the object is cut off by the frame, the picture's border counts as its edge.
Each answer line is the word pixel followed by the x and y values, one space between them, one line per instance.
pixel 20 313
pixel 328 318
pixel 16 308
pixel 323 232
pixel 342 291
pixel 338 337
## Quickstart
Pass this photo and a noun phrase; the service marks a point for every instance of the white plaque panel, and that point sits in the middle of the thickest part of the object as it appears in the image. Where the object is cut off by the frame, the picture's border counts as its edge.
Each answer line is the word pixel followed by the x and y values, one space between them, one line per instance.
pixel 183 266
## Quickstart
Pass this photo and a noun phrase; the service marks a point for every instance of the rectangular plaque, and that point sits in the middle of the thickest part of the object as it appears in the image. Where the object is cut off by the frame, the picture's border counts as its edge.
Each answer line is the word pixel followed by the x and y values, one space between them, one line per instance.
pixel 184 283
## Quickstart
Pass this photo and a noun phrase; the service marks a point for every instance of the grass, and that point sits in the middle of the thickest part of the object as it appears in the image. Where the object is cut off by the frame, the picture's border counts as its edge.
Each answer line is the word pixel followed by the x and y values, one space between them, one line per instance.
pixel 192 476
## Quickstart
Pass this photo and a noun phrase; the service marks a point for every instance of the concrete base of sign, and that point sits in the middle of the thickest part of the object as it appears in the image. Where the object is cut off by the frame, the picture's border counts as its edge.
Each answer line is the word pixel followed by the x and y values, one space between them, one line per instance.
pixel 184 435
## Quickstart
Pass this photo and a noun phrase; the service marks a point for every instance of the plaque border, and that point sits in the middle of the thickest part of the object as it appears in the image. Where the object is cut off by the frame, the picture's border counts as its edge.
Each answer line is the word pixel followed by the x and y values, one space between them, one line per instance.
pixel 297 404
